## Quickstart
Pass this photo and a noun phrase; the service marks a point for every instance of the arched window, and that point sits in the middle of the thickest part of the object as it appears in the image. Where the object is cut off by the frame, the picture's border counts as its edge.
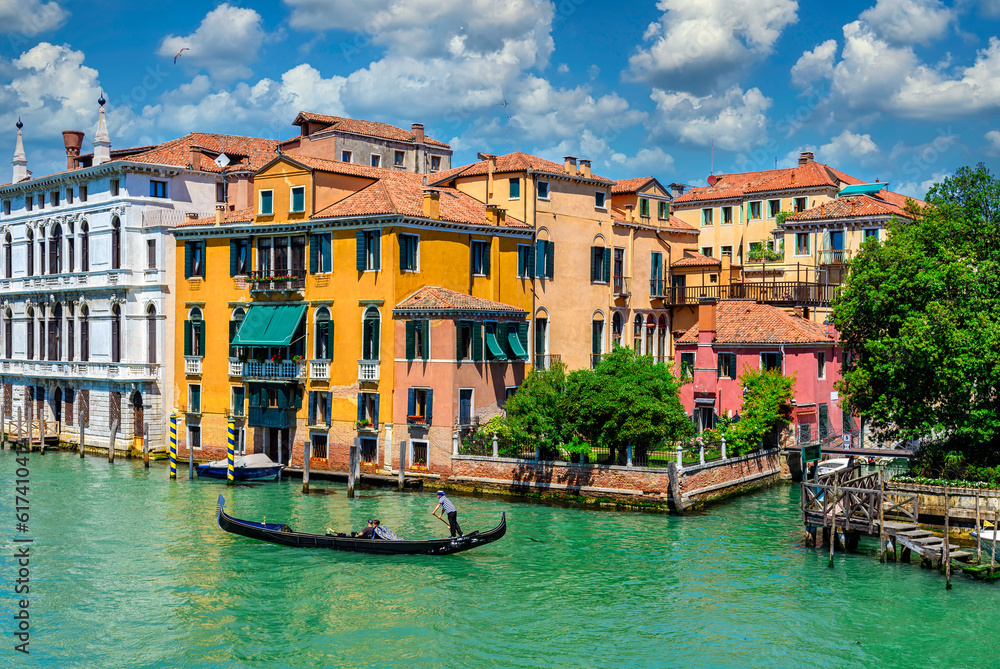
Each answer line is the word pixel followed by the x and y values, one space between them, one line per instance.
pixel 29 251
pixel 194 334
pixel 55 250
pixel 41 254
pixel 55 332
pixel 8 261
pixel 116 334
pixel 30 350
pixel 637 333
pixel 661 349
pixel 84 334
pixel 70 265
pixel 8 335
pixel 596 339
pixel 234 326
pixel 542 358
pixel 84 247
pixel 151 334
pixel 650 334
pixel 116 243
pixel 370 333
pixel 70 323
pixel 323 335
pixel 617 325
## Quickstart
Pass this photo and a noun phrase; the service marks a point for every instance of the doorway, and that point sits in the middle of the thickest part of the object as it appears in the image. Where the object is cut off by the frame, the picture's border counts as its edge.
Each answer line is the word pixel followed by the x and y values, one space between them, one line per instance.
pixel 138 422
pixel 275 436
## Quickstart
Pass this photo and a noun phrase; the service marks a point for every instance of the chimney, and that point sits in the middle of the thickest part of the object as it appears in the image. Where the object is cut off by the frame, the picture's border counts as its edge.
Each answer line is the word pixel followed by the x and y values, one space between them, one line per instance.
pixel 73 140
pixel 712 179
pixel 822 209
pixel 585 168
pixel 676 190
pixel 192 215
pixel 102 141
pixel 792 176
pixel 630 213
pixel 706 315
pixel 853 203
pixel 220 210
pixel 20 161
pixel 432 203
pixel 418 132
pixel 797 311
pixel 569 164
pixel 495 215
pixel 805 157
pixel 194 157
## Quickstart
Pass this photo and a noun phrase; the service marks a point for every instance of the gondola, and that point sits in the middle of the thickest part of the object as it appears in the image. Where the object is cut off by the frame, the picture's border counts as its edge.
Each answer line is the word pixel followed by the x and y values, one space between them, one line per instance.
pixel 279 533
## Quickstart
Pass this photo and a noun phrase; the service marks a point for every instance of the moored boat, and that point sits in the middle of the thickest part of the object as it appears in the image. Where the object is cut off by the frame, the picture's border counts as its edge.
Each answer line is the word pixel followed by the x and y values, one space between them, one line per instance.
pixel 250 467
pixel 283 535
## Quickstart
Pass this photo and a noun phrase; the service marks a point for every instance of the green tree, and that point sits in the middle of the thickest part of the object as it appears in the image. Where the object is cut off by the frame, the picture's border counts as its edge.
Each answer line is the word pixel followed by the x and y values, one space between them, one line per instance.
pixel 920 317
pixel 767 397
pixel 536 413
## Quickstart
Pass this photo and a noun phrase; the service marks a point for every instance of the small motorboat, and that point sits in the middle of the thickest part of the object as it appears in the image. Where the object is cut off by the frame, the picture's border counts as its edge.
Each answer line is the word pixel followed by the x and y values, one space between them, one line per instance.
pixel 250 467
pixel 834 465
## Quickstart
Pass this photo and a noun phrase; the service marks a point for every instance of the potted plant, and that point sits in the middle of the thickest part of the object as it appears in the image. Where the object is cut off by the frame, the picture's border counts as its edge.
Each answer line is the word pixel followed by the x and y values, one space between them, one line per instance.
pixel 364 424
pixel 296 358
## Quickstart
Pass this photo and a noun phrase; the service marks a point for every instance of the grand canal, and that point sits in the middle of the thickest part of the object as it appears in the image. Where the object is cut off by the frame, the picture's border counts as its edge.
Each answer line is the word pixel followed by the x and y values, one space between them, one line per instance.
pixel 129 570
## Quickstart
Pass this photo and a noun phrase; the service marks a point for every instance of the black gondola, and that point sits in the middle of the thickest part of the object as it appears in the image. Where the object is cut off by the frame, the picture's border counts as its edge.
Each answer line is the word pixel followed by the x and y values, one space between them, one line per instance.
pixel 279 533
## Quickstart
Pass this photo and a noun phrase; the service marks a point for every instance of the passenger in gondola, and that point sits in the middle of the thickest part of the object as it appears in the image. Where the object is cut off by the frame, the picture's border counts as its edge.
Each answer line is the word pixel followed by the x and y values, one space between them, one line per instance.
pixel 368 532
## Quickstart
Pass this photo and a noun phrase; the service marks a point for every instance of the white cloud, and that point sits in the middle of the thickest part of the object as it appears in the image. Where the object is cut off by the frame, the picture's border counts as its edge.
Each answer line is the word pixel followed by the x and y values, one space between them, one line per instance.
pixel 993 146
pixel 541 111
pixel 990 8
pixel 653 161
pixel 563 68
pixel 26 18
pixel 223 45
pixel 815 65
pixel 847 147
pixel 735 121
pixel 51 90
pixel 918 189
pixel 904 22
pixel 700 44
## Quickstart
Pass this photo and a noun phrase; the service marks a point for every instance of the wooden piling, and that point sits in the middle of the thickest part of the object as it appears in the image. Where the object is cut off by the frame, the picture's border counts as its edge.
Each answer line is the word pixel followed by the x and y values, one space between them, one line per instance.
pixel 675 487
pixel 41 434
pixel 979 532
pixel 402 464
pixel 352 454
pixel 881 516
pixel 145 446
pixel 281 454
pixel 19 423
pixel 996 528
pixel 833 531
pixel 111 443
pixel 946 553
pixel 306 455
pixel 83 431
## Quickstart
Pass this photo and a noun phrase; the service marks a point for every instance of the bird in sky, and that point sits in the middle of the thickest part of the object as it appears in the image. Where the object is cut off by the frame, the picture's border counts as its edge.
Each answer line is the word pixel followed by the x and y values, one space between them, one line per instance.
pixel 179 54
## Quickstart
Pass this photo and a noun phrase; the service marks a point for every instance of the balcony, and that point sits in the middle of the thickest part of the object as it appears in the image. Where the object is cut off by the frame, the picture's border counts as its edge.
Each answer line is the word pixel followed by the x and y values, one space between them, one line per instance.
pixel 287 280
pixel 622 286
pixel 235 367
pixel 192 364
pixel 81 370
pixel 834 257
pixel 658 289
pixel 368 371
pixel 319 370
pixel 544 361
pixel 68 281
pixel 288 369
pixel 768 292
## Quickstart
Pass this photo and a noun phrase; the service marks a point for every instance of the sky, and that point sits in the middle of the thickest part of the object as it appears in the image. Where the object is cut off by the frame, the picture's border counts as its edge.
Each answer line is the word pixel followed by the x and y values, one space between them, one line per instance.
pixel 905 91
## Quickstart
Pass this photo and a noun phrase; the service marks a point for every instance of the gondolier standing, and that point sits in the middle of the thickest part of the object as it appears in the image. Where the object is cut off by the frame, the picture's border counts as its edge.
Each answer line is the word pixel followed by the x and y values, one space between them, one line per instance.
pixel 447 507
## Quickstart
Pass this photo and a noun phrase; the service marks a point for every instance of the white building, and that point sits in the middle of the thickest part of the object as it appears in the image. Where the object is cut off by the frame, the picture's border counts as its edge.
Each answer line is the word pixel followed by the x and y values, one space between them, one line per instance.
pixel 86 276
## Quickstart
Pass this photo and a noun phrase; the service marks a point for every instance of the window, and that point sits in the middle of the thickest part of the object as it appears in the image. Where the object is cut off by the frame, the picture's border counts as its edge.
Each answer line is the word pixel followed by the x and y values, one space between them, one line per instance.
pixel 194 260
pixel 116 243
pixel 727 365
pixel 323 335
pixel 84 247
pixel 346 156
pixel 150 335
pixel 773 208
pixel 238 402
pixel 801 243
pixel 28 202
pixel 656 286
pixel 29 249
pixel 319 408
pixel 319 448
pixel 398 157
pixel 418 343
pixel 194 398
pixel 755 210
pixel 821 365
pixel 756 250
pixel 409 245
pixel 157 188
pixel 726 251
pixel 637 334
pixel 617 326
pixel 769 361
pixel 418 453
pixel 370 327
pixel 55 198
pixel 321 253
pixel 525 261
pixel 543 190
pixel 239 257
pixel 41 200
pixel 480 258
pixel 369 251
pixel 377 159
pixel 596 341
pixel 368 410
pixel 871 233
pixel 419 402
pixel 619 271
pixel 599 198
pixel 116 334
pixel 544 259
pixel 114 187
pixel 70 334
pixel 727 215
pixel 266 202
pixel 644 207
pixel 220 191
pixel 663 210
pixel 298 199
pixel 272 398
pixel 194 334
pixel 83 193
pixel 465 406
pixel 6 207
pixel 706 217
pixel 541 342
pixel 706 251
pixel 435 163
pixel 494 333
pixel 194 437
pixel 800 204
pixel 84 334
pixel 600 264
pixel 8 260
pixel 515 189
pixel 55 250
pixel 687 364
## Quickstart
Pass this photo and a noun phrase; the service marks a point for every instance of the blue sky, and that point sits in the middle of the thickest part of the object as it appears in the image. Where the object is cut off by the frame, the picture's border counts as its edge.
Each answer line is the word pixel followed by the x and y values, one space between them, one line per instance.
pixel 902 90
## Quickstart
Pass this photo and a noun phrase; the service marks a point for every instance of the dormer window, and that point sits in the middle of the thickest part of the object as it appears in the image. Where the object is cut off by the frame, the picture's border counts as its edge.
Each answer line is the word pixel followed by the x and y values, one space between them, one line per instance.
pixel 346 156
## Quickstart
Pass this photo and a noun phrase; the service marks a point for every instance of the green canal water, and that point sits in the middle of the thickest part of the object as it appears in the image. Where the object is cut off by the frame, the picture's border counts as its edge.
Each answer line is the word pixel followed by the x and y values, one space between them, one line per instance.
pixel 129 570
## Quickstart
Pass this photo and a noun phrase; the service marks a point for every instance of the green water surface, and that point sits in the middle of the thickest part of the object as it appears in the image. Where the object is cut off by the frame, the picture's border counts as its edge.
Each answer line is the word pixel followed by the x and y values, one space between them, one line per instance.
pixel 130 570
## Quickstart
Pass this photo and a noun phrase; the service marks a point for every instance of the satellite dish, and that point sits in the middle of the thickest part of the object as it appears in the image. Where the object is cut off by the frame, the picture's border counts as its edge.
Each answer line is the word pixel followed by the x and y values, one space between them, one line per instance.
pixel 222 160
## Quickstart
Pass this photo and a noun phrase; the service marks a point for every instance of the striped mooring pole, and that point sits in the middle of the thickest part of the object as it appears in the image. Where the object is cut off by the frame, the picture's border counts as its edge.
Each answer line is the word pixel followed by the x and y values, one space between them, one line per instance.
pixel 173 446
pixel 231 455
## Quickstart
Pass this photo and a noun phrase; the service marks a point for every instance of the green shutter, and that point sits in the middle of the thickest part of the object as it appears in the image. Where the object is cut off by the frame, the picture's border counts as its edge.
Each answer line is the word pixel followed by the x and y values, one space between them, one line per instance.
pixel 428 414
pixel 329 408
pixel 377 244
pixel 477 341
pixel 234 256
pixel 719 359
pixel 521 257
pixel 204 260
pixel 187 337
pixel 362 260
pixel 550 254
pixel 529 263
pixel 298 397
pixel 594 250
pixel 312 407
pixel 607 265
pixel 487 252
pixel 411 402
pixel 329 340
pixel 458 340
pixel 410 336
pixel 403 243
pixel 282 397
pixel 188 260
pixel 425 342
pixel 326 252
pixel 255 396
pixel 540 258
pixel 375 412
pixel 313 255
pixel 361 406
pixel 522 335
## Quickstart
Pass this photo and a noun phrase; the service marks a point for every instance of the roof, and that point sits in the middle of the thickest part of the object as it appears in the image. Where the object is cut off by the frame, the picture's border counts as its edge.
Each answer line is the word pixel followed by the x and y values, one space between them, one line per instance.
pixel 810 175
pixel 748 322
pixel 237 216
pixel 696 260
pixel 442 300
pixel 247 153
pixel 633 185
pixel 883 205
pixel 511 162
pixel 366 128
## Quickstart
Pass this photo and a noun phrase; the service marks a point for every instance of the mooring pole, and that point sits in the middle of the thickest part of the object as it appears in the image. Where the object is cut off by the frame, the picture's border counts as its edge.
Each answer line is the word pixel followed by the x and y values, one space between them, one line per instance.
pixel 230 454
pixel 306 456
pixel 83 432
pixel 833 530
pixel 674 479
pixel 979 532
pixel 281 455
pixel 402 464
pixel 996 529
pixel 947 544
pixel 145 446
pixel 352 453
pixel 19 423
pixel 111 444
pixel 41 432
pixel 173 446
pixel 881 516
pixel 30 421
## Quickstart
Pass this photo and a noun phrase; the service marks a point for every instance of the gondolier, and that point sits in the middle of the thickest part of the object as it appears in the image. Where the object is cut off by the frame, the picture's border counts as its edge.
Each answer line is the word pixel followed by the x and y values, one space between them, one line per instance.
pixel 447 507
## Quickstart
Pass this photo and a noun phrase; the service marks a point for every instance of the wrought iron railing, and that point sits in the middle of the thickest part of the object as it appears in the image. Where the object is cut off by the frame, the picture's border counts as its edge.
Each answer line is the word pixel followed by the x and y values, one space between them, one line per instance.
pixel 622 286
pixel 279 279
pixel 783 292
pixel 288 369
pixel 544 361
pixel 834 257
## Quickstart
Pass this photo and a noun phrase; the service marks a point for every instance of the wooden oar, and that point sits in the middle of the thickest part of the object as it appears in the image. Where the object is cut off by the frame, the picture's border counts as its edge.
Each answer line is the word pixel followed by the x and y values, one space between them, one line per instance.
pixel 442 520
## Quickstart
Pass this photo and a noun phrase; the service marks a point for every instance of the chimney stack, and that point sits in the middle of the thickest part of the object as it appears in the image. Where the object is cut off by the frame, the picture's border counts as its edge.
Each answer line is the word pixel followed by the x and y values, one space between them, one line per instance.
pixel 805 157
pixel 194 157
pixel 418 132
pixel 569 164
pixel 585 168
pixel 73 140
pixel 20 161
pixel 432 203
pixel 706 315
pixel 495 215
pixel 102 141
pixel 220 210
pixel 676 190
pixel 630 213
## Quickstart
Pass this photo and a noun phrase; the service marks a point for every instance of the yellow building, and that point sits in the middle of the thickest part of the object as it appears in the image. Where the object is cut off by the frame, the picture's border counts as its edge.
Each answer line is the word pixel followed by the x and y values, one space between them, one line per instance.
pixel 315 270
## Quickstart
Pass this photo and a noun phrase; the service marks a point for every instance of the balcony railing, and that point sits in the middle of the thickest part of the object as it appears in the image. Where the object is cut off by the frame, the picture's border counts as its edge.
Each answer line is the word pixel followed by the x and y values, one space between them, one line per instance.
pixel 834 257
pixel 781 292
pixel 235 367
pixel 192 364
pixel 622 286
pixel 288 369
pixel 544 361
pixel 368 371
pixel 319 370
pixel 277 280
pixel 658 288
pixel 63 369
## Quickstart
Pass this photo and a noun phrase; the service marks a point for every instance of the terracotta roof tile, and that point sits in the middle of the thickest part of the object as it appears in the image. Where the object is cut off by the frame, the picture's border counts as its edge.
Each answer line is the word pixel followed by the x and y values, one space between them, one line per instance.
pixel 511 162
pixel 366 128
pixel 736 185
pixel 625 186
pixel 434 298
pixel 696 260
pixel 747 322
pixel 247 153
pixel 854 206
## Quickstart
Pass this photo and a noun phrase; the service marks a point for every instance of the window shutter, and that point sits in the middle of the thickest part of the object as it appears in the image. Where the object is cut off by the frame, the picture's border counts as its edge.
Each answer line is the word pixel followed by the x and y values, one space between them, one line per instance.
pixel 522 335
pixel 312 407
pixel 238 401
pixel 404 242
pixel 550 248
pixel 313 255
pixel 232 334
pixel 719 359
pixel 410 327
pixel 326 252
pixel 487 252
pixel 540 258
pixel 607 265
pixel 781 361
pixel 187 337
pixel 361 406
pixel 458 340
pixel 375 412
pixel 529 264
pixel 425 342
pixel 254 396
pixel 377 244
pixel 521 258
pixel 593 262
pixel 329 408
pixel 188 253
pixel 477 341
pixel 204 260
pixel 732 364
pixel 362 264
pixel 234 256
pixel 430 406
pixel 298 397
pixel 329 340
pixel 595 339
pixel 411 402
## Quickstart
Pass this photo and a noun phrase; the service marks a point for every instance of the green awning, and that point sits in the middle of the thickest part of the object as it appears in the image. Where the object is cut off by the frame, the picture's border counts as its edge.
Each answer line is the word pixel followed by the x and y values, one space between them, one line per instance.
pixel 515 345
pixel 862 189
pixel 494 346
pixel 269 325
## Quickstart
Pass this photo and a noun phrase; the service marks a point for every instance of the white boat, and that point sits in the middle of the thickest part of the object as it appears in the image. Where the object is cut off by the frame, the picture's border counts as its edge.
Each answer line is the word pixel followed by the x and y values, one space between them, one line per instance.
pixel 834 465
pixel 250 467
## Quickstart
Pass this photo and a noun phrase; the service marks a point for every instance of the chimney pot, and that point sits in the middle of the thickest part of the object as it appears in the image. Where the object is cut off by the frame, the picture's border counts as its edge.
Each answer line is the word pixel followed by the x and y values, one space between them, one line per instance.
pixel 805 157
pixel 585 168
pixel 569 164
pixel 432 203
pixel 630 212
pixel 73 140
pixel 418 132
pixel 194 157
pixel 220 210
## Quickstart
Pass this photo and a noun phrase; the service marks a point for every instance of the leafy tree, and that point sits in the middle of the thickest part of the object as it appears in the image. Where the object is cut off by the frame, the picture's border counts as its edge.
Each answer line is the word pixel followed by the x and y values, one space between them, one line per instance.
pixel 767 397
pixel 537 411
pixel 920 316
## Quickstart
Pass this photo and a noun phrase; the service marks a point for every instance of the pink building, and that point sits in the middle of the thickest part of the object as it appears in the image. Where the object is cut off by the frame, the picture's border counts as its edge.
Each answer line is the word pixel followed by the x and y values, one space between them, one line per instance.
pixel 732 335
pixel 458 357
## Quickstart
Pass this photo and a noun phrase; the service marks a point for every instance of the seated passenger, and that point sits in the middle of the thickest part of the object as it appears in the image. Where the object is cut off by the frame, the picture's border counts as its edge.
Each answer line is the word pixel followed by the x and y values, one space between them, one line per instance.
pixel 368 532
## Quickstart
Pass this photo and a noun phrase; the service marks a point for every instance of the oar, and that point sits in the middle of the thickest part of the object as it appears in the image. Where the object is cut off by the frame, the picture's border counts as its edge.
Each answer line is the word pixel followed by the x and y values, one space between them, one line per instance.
pixel 442 520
